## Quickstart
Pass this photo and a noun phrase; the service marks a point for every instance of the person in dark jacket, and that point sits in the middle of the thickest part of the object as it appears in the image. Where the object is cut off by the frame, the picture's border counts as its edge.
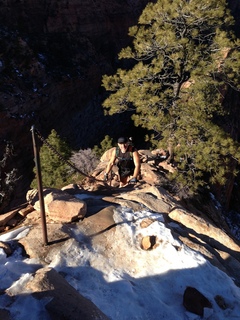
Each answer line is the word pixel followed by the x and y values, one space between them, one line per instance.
pixel 126 157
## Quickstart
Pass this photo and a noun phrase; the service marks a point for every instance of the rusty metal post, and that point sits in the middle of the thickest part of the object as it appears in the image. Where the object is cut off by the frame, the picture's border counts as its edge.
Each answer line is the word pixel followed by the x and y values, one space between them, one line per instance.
pixel 40 189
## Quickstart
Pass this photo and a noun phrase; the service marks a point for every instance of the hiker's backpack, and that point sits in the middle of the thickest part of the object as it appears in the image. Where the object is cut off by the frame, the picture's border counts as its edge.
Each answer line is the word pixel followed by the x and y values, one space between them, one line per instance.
pixel 127 159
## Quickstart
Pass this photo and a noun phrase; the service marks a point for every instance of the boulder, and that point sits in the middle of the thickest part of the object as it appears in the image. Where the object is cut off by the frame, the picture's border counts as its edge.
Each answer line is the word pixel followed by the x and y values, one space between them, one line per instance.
pixel 195 302
pixel 107 155
pixel 60 206
pixel 149 242
pixel 150 174
pixel 48 283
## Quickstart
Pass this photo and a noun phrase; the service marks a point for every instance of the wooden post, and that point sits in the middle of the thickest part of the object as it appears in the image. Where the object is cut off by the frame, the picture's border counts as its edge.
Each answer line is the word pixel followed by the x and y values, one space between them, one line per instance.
pixel 40 190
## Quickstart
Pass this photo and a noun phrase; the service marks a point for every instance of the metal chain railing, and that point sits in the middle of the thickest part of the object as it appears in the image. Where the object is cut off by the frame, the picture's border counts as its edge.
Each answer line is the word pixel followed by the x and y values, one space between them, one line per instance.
pixel 62 158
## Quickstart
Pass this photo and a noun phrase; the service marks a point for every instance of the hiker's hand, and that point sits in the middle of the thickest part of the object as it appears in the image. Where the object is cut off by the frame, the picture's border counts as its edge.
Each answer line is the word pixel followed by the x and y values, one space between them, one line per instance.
pixel 105 177
pixel 133 180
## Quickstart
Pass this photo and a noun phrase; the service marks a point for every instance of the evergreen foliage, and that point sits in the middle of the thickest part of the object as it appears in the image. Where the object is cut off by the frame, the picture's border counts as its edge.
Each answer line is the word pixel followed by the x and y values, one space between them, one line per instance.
pixel 54 171
pixel 105 144
pixel 184 56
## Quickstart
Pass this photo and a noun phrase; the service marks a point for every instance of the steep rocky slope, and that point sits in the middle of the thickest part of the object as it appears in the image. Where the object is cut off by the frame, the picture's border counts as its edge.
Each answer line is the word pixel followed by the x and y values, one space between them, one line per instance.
pixel 97 227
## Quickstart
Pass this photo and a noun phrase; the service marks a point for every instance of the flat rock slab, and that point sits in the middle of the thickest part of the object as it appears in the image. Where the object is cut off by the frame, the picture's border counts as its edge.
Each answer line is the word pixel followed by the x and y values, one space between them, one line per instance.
pixel 98 226
pixel 34 244
pixel 148 200
pixel 65 303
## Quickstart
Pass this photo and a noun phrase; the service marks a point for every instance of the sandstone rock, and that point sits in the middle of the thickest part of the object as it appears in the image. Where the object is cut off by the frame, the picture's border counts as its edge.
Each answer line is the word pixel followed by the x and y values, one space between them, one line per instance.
pixel 123 202
pixel 214 235
pixel 99 226
pixel 33 218
pixel 150 174
pixel 148 200
pixel 160 153
pixel 4 218
pixel 33 242
pixel 72 188
pixel 32 196
pixel 231 264
pixel 159 192
pixel 71 305
pixel 60 206
pixel 65 210
pixel 100 169
pixel 206 250
pixel 25 211
pixel 166 166
pixel 146 155
pixel 6 248
pixel 146 223
pixel 107 155
pixel 148 243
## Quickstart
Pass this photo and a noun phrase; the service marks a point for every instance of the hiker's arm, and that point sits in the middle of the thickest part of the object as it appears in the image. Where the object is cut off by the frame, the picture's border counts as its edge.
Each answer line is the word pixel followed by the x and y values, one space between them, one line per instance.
pixel 111 162
pixel 137 164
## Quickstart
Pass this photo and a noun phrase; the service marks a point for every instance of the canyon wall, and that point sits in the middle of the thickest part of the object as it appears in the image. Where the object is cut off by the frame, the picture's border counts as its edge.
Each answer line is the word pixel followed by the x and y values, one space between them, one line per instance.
pixel 53 56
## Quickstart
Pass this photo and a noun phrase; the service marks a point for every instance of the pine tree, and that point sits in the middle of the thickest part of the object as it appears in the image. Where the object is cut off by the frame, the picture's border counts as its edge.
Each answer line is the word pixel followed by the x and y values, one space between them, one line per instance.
pixel 54 171
pixel 184 57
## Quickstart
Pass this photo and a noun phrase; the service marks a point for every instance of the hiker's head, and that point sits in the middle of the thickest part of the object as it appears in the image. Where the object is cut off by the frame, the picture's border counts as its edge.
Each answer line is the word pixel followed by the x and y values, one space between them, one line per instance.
pixel 123 143
pixel 122 140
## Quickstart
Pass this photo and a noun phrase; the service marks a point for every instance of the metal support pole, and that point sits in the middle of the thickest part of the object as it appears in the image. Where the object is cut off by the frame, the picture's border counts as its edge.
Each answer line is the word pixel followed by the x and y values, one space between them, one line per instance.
pixel 40 190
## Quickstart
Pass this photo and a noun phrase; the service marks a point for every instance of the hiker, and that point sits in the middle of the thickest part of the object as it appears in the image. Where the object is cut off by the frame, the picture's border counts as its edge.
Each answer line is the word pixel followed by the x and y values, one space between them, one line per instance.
pixel 127 159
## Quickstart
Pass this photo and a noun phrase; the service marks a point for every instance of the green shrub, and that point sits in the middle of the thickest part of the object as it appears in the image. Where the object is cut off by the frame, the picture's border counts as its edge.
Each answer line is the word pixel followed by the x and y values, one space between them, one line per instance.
pixel 54 171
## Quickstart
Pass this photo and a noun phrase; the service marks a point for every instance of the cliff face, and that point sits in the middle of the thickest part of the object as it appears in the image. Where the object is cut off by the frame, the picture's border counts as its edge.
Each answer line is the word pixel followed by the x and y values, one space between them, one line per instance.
pixel 53 56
